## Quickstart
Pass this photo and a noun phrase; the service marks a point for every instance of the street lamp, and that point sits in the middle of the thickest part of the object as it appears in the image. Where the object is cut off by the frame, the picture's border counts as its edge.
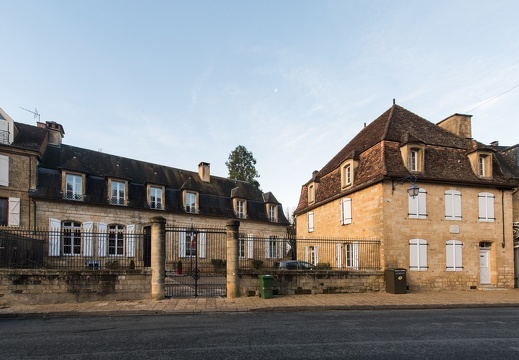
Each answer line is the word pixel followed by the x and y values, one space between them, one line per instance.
pixel 413 190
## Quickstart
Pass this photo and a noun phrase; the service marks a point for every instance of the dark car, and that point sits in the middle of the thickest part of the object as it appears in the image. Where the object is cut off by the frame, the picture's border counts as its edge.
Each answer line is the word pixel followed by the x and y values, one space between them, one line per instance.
pixel 293 265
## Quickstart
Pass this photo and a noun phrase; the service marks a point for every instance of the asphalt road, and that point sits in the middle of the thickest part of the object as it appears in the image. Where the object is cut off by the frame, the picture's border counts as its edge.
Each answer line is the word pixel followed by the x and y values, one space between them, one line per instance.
pixel 491 333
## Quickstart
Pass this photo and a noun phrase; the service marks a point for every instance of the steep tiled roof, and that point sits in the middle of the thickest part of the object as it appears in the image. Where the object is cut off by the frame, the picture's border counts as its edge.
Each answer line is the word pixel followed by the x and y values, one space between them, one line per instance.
pixel 378 148
pixel 29 137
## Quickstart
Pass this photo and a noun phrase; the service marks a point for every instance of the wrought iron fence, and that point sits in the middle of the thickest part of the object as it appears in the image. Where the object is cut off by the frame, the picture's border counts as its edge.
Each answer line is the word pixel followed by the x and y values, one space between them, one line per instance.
pixel 73 250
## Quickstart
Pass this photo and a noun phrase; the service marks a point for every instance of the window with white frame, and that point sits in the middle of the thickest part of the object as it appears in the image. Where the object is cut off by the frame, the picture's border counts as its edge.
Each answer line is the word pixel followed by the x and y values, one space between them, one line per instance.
pixel 346 175
pixel 418 205
pixel 4 170
pixel 453 252
pixel 273 212
pixel 190 202
pixel 482 165
pixel 486 207
pixel 352 255
pixel 418 255
pixel 413 160
pixel 311 221
pixel 272 248
pixel 452 205
pixel 116 239
pixel 312 254
pixel 192 244
pixel 74 187
pixel 346 211
pixel 241 247
pixel 155 197
pixel 117 192
pixel 240 208
pixel 71 238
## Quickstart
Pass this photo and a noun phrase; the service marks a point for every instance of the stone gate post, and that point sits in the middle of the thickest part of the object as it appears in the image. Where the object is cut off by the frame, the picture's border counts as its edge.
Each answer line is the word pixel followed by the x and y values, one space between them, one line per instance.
pixel 158 257
pixel 233 236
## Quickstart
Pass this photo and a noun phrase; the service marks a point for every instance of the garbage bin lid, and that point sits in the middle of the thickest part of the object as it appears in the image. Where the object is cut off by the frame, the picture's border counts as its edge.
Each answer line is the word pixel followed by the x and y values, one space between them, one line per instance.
pixel 265 276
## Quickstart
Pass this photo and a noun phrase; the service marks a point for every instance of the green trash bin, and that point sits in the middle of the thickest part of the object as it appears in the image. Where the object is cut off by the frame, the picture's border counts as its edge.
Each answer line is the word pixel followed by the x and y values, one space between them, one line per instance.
pixel 265 284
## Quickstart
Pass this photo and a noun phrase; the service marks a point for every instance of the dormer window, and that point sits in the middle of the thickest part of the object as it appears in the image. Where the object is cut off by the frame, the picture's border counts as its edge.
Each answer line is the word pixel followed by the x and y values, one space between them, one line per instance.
pixel 272 212
pixel 117 192
pixel 347 171
pixel 413 160
pixel 311 193
pixel 156 197
pixel 73 186
pixel 482 166
pixel 240 208
pixel 481 163
pixel 413 156
pixel 191 202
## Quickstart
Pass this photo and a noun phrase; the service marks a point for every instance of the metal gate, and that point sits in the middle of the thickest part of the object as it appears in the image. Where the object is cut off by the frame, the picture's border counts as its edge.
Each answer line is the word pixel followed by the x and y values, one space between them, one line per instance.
pixel 195 261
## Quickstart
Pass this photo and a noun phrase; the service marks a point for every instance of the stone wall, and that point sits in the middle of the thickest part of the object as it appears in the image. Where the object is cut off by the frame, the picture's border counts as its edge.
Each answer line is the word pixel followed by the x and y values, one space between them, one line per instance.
pixel 288 282
pixel 28 286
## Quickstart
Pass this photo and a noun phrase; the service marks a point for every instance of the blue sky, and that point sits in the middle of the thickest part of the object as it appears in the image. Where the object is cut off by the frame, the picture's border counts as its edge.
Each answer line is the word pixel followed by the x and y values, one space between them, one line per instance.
pixel 180 82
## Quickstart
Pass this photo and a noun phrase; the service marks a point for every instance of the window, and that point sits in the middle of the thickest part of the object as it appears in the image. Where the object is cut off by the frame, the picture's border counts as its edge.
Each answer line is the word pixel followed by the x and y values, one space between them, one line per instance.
pixel 482 167
pixel 155 198
pixel 273 212
pixel 486 207
pixel 4 131
pixel 271 248
pixel 418 205
pixel 346 175
pixel 241 247
pixel 311 193
pixel 418 255
pixel 117 192
pixel 345 211
pixel 312 254
pixel 190 202
pixel 191 244
pixel 9 211
pixel 71 238
pixel 413 160
pixel 452 205
pixel 454 255
pixel 116 240
pixel 240 208
pixel 310 221
pixel 74 187
pixel 4 170
pixel 352 255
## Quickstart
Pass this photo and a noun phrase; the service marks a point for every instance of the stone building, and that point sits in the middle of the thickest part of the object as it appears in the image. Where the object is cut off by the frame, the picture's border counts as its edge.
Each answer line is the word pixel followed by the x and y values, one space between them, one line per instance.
pixel 442 204
pixel 82 194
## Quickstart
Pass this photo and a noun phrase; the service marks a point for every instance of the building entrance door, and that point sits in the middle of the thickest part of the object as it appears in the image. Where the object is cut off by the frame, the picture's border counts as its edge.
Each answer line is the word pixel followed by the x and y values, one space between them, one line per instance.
pixel 484 266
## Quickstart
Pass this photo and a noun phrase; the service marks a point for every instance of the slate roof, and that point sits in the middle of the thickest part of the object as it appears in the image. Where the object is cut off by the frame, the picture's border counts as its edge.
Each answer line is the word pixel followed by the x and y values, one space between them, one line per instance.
pixel 214 196
pixel 377 150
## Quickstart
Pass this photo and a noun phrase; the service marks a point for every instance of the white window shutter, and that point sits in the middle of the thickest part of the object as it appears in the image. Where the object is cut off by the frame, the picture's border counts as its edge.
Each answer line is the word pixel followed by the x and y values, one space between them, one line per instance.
pixel 422 204
pixel 454 255
pixel 457 205
pixel 449 252
pixel 490 207
pixel 422 255
pixel 356 255
pixel 267 248
pixel 338 256
pixel 310 221
pixel 486 207
pixel 306 253
pixel 458 256
pixel 346 211
pixel 130 241
pixel 182 243
pixel 54 237
pixel 413 207
pixel 449 205
pixel 413 254
pixel 4 170
pixel 250 247
pixel 202 239
pixel 316 254
pixel 101 238
pixel 88 241
pixel 280 248
pixel 14 212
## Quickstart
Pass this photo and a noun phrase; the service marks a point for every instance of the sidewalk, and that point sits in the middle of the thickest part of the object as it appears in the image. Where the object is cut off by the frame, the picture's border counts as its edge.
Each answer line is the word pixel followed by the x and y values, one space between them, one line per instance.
pixel 356 301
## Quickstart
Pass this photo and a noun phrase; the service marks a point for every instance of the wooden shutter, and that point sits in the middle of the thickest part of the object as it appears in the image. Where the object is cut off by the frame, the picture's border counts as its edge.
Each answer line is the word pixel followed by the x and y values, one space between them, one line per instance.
pixel 54 237
pixel 418 205
pixel 316 254
pixel 14 212
pixel 267 248
pixel 130 241
pixel 452 205
pixel 355 253
pixel 88 241
pixel 338 256
pixel 202 239
pixel 486 207
pixel 454 255
pixel 101 238
pixel 417 255
pixel 250 247
pixel 280 248
pixel 182 243
pixel 346 211
pixel 4 170
pixel 310 221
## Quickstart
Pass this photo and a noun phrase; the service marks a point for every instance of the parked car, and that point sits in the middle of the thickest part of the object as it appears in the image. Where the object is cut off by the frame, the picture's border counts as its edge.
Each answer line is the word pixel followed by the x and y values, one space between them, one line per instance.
pixel 293 265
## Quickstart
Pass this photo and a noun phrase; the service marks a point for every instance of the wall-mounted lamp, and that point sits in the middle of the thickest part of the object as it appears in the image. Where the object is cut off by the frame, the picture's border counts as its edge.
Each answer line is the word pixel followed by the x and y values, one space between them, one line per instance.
pixel 413 190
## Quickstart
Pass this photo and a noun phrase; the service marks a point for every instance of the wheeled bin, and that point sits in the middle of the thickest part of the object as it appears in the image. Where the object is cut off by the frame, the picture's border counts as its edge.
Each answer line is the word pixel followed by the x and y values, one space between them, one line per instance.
pixel 265 284
pixel 396 281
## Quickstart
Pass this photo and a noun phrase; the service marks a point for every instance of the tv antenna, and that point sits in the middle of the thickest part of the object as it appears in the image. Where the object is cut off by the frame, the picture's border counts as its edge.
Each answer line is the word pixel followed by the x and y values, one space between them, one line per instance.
pixel 35 113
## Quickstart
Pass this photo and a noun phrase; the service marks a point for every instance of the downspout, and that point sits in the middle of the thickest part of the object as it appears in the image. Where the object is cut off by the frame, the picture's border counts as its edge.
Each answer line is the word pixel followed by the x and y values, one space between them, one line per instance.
pixel 503 215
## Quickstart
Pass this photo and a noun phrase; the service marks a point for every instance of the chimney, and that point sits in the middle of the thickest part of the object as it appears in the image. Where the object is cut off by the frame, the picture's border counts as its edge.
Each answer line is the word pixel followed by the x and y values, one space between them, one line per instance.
pixel 56 132
pixel 204 171
pixel 458 124
pixel 494 143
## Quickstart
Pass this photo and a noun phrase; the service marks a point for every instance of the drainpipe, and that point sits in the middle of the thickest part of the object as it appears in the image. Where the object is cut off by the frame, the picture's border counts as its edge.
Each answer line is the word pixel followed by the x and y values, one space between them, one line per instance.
pixel 503 215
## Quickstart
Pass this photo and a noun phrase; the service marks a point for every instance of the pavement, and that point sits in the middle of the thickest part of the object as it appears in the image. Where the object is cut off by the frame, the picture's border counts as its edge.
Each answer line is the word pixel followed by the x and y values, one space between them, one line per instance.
pixel 349 301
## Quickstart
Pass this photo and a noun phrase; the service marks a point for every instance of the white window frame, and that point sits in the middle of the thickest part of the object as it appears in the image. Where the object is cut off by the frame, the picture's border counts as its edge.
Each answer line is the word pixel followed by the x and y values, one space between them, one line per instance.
pixel 116 239
pixel 272 213
pixel 73 187
pixel 4 170
pixel 454 255
pixel 418 255
pixel 352 255
pixel 240 208
pixel 346 216
pixel 190 202
pixel 74 233
pixel 452 205
pixel 310 217
pixel 117 192
pixel 418 205
pixel 156 198
pixel 312 254
pixel 482 165
pixel 413 160
pixel 486 207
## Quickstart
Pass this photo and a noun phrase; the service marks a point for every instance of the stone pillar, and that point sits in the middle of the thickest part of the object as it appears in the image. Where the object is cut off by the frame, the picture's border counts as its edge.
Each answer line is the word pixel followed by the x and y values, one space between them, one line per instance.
pixel 233 236
pixel 158 257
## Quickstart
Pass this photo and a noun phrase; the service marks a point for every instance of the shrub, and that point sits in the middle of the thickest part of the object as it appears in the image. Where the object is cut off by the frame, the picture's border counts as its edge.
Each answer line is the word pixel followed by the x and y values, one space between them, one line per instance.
pixel 323 266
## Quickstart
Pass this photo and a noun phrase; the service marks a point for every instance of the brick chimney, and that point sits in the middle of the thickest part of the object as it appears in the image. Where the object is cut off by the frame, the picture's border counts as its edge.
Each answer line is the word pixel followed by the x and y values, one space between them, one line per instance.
pixel 204 171
pixel 56 132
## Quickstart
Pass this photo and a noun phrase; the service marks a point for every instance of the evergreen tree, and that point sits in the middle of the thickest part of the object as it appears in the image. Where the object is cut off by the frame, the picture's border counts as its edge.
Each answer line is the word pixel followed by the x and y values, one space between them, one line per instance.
pixel 241 165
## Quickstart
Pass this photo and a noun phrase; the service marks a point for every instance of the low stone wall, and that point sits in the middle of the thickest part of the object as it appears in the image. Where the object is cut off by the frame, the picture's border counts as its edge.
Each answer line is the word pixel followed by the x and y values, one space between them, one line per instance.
pixel 28 286
pixel 291 282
